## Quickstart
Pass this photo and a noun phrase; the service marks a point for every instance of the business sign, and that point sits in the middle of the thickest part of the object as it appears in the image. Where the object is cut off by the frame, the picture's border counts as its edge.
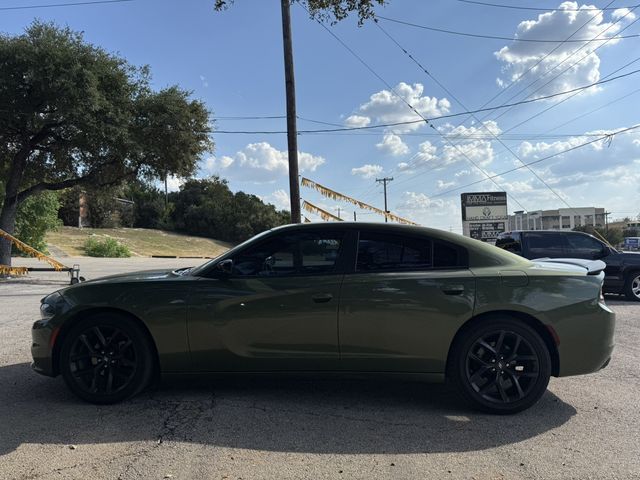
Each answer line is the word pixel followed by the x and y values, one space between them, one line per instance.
pixel 487 232
pixel 484 215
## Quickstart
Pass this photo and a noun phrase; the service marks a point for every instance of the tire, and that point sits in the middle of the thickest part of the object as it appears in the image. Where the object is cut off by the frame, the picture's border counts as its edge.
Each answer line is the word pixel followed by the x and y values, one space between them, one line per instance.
pixel 500 376
pixel 632 286
pixel 122 371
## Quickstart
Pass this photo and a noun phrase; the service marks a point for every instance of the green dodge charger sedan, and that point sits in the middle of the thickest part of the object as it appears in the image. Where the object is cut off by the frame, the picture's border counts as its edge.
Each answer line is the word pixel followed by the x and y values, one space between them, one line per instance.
pixel 336 297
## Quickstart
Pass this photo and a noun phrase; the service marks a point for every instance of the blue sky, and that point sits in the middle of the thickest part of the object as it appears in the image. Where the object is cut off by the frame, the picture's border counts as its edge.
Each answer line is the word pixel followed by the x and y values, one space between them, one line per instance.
pixel 232 60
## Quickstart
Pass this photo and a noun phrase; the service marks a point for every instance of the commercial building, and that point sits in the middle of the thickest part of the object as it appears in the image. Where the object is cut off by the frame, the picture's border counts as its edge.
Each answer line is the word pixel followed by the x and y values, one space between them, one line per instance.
pixel 561 219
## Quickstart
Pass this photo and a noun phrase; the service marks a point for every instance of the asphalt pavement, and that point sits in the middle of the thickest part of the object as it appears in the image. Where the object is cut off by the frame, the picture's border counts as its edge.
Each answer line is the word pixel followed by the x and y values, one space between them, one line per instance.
pixel 585 427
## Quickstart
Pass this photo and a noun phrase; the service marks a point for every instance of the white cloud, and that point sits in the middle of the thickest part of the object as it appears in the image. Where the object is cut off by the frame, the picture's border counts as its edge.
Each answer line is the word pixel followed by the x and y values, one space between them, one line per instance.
pixel 174 183
pixel 357 121
pixel 426 154
pixel 367 171
pixel 393 145
pixel 204 81
pixel 422 209
pixel 583 164
pixel 589 22
pixel 386 107
pixel 442 184
pixel 623 13
pixel 280 199
pixel 260 163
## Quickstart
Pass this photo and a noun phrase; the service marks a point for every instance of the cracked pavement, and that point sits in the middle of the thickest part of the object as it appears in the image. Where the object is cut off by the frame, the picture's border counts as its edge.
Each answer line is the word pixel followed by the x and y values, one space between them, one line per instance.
pixel 258 427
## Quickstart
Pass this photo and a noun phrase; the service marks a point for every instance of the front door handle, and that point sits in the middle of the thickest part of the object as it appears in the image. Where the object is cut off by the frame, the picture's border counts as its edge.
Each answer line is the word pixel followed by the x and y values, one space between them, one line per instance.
pixel 322 297
pixel 452 289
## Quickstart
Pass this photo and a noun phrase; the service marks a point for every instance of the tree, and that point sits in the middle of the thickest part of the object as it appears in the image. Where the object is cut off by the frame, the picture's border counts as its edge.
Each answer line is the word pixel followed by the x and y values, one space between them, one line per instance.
pixel 72 114
pixel 208 208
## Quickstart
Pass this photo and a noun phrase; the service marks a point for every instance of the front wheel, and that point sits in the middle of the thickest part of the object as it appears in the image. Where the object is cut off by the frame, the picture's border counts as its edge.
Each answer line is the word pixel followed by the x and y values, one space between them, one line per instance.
pixel 632 287
pixel 500 366
pixel 106 358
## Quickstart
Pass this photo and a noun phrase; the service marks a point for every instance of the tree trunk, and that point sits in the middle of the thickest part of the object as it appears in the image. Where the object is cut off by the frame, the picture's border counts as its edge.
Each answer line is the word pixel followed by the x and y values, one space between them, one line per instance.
pixel 11 200
pixel 8 224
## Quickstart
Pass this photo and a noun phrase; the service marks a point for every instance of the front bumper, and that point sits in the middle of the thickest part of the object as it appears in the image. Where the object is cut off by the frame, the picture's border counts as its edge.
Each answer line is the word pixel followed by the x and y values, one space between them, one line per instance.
pixel 43 337
pixel 586 341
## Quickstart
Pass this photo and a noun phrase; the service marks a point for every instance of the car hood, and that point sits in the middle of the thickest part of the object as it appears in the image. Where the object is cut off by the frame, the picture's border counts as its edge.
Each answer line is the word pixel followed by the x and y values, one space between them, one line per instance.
pixel 631 257
pixel 144 275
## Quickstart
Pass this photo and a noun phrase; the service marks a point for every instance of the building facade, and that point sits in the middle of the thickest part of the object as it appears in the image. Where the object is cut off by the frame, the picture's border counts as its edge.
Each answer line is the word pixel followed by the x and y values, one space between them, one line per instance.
pixel 561 219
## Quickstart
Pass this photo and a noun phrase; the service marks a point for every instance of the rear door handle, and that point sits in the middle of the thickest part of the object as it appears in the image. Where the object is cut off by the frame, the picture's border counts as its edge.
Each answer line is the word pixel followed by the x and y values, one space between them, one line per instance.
pixel 452 289
pixel 322 297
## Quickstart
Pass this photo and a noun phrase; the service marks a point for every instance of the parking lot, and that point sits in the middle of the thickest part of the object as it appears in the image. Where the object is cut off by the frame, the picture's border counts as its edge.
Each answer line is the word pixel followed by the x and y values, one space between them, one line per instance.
pixel 583 428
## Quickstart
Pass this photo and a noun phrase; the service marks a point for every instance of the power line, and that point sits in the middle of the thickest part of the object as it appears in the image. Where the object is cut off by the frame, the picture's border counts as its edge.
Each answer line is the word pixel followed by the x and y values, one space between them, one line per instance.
pixel 538 9
pixel 69 4
pixel 601 138
pixel 439 117
pixel 499 37
pixel 588 53
pixel 427 121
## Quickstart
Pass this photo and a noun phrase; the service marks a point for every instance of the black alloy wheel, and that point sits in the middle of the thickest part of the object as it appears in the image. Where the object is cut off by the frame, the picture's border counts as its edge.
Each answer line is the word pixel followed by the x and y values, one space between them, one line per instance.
pixel 106 359
pixel 501 366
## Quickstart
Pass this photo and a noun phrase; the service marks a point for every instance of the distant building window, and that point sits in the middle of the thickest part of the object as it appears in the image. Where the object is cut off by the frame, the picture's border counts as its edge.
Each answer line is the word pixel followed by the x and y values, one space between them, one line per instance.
pixel 566 222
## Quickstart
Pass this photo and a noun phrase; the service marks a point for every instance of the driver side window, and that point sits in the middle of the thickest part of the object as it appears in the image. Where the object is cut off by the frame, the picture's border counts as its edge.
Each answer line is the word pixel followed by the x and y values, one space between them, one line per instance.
pixel 290 254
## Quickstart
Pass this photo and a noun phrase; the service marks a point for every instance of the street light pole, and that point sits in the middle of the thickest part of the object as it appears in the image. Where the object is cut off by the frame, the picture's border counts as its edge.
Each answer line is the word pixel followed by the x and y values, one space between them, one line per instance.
pixel 292 133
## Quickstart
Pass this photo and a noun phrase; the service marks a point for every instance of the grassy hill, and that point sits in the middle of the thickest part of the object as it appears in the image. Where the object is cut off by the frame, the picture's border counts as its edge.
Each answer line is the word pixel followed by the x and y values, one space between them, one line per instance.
pixel 141 242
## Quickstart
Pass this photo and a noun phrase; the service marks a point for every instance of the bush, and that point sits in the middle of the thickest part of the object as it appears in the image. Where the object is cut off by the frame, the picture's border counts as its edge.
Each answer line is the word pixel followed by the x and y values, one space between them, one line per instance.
pixel 36 216
pixel 105 247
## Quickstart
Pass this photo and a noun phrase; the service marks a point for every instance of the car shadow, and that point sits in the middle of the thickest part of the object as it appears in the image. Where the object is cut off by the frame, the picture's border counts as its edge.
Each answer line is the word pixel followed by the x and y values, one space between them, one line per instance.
pixel 284 415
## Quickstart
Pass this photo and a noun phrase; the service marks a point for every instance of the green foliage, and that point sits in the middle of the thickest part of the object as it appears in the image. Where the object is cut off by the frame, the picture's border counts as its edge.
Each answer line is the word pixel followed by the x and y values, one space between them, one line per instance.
pixel 36 216
pixel 73 114
pixel 104 210
pixel 149 210
pixel 208 208
pixel 329 10
pixel 105 247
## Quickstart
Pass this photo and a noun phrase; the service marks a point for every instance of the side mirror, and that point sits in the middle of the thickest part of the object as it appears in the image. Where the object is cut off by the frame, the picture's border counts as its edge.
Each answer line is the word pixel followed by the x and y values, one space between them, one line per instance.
pixel 225 266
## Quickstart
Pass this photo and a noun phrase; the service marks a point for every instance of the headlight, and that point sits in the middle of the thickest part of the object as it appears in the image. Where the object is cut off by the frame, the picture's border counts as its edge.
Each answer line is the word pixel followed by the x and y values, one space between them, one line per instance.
pixel 51 305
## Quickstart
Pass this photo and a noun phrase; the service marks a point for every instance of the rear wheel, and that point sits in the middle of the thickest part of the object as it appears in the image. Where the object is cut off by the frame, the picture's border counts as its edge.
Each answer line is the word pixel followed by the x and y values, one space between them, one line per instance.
pixel 632 286
pixel 501 366
pixel 106 358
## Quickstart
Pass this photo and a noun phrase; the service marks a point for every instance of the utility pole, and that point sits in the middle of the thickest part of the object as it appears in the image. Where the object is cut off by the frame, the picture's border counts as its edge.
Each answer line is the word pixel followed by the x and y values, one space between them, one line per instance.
pixel 354 216
pixel 292 133
pixel 384 182
pixel 339 213
pixel 606 221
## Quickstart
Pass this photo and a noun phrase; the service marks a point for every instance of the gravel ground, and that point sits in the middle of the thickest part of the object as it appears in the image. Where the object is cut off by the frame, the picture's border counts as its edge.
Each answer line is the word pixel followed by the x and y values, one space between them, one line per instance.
pixel 583 428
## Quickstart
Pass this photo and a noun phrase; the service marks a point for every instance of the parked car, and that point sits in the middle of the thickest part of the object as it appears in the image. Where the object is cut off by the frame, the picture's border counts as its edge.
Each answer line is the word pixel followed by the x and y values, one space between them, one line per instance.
pixel 622 274
pixel 336 297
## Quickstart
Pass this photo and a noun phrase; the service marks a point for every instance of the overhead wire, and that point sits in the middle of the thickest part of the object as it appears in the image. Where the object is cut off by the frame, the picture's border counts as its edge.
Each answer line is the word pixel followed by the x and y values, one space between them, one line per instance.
pixel 539 9
pixel 67 4
pixel 499 37
pixel 482 124
pixel 406 102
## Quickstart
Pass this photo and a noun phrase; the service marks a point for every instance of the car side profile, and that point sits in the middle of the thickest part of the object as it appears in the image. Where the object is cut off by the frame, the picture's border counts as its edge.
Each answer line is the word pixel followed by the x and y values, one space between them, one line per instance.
pixel 336 297
pixel 622 272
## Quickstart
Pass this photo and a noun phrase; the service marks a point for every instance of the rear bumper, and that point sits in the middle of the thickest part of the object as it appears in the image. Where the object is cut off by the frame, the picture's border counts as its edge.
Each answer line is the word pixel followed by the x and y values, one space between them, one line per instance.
pixel 42 339
pixel 586 342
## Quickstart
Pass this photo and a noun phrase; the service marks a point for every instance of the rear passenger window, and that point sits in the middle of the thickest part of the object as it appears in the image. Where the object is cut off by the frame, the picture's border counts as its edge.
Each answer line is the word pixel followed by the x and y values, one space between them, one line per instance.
pixel 378 251
pixel 449 256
